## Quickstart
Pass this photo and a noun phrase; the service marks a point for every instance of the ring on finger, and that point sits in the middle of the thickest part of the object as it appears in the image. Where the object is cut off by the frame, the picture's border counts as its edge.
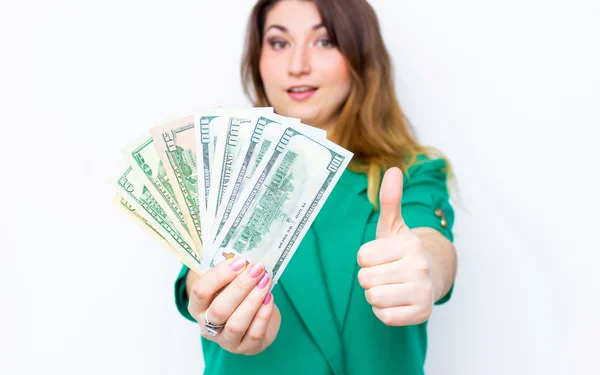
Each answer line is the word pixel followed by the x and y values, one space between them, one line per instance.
pixel 210 328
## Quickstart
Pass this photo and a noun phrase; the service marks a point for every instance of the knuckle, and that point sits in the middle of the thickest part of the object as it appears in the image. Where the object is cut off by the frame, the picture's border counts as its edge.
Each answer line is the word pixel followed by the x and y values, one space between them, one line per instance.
pixel 386 317
pixel 200 292
pixel 217 314
pixel 255 336
pixel 422 266
pixel 365 254
pixel 362 256
pixel 425 269
pixel 234 329
pixel 264 314
pixel 373 297
pixel 364 278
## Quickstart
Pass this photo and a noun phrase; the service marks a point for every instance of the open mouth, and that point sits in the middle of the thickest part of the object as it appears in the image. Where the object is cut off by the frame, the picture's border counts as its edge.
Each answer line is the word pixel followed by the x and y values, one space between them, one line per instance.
pixel 301 92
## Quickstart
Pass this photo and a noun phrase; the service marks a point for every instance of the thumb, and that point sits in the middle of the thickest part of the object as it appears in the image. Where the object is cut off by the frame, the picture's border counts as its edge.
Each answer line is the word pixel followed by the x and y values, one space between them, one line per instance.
pixel 390 197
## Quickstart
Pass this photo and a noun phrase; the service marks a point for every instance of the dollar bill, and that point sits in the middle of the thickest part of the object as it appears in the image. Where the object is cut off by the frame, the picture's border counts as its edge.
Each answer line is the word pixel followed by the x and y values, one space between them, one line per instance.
pixel 230 140
pixel 281 201
pixel 266 131
pixel 142 156
pixel 139 198
pixel 204 153
pixel 140 220
pixel 175 144
pixel 207 121
pixel 213 125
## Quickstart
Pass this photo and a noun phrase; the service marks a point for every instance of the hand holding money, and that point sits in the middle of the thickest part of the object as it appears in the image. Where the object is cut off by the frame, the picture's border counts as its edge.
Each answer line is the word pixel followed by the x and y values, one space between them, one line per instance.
pixel 235 295
pixel 231 193
pixel 225 182
pixel 395 268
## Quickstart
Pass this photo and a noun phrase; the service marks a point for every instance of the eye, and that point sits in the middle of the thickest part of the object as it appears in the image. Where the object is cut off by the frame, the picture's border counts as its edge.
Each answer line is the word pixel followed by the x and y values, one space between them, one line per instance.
pixel 277 44
pixel 325 43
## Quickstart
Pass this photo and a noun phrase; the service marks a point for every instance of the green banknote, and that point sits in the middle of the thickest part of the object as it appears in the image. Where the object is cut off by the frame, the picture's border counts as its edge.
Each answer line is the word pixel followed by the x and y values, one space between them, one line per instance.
pixel 266 131
pixel 204 155
pixel 175 144
pixel 214 128
pixel 138 197
pixel 230 138
pixel 140 219
pixel 281 201
pixel 231 141
pixel 142 156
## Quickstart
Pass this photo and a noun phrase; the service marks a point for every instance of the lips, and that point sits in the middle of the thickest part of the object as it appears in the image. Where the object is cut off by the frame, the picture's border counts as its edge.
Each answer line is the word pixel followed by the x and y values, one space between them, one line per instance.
pixel 301 92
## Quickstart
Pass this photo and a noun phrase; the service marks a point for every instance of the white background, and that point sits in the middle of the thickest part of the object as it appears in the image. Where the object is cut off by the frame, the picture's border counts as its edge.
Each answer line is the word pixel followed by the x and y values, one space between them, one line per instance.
pixel 508 90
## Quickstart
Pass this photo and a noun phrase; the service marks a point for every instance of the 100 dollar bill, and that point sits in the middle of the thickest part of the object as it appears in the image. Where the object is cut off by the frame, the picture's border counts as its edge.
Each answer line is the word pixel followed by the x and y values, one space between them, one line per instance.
pixel 175 144
pixel 266 132
pixel 142 156
pixel 141 221
pixel 140 199
pixel 212 125
pixel 282 200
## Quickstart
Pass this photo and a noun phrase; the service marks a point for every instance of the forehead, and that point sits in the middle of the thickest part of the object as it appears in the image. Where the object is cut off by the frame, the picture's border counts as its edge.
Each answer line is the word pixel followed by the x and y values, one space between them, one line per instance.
pixel 295 15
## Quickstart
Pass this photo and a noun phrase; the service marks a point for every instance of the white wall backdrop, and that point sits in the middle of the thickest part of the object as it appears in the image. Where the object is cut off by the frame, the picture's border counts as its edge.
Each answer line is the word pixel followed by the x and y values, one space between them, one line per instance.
pixel 508 90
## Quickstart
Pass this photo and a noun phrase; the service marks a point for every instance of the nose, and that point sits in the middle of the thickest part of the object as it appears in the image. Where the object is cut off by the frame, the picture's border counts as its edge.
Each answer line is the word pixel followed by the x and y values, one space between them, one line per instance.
pixel 299 63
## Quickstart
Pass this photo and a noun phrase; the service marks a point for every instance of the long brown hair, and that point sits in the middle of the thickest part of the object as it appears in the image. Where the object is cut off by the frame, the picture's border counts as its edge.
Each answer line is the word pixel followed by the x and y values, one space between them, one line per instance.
pixel 371 123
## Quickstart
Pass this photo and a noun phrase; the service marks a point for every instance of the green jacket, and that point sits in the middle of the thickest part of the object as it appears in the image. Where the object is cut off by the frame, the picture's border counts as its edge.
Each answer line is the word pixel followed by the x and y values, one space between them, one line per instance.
pixel 327 326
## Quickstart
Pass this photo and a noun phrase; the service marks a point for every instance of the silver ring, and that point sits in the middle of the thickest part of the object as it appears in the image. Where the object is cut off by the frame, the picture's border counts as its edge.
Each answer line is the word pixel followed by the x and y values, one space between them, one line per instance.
pixel 210 328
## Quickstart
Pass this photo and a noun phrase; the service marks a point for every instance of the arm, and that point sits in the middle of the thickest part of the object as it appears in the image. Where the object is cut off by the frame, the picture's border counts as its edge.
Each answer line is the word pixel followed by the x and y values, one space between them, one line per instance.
pixel 404 271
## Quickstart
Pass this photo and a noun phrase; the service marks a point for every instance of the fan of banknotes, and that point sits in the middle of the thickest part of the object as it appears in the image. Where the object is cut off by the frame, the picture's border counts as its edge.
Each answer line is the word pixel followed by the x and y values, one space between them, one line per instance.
pixel 225 182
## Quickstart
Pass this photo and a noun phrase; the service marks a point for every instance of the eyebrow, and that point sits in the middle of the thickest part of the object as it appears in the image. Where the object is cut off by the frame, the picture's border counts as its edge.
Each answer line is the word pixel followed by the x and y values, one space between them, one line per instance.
pixel 285 30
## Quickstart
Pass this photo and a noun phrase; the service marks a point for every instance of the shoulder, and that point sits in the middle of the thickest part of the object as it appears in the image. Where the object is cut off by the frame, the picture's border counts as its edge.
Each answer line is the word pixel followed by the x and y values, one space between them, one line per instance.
pixel 422 164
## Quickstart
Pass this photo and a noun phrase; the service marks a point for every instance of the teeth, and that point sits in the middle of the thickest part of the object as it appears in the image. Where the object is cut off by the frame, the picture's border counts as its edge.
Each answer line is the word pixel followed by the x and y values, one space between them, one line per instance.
pixel 301 89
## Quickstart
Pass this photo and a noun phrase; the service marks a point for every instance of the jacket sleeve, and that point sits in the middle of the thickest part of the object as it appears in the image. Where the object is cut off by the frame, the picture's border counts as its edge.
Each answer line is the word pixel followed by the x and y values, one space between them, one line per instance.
pixel 426 201
pixel 181 297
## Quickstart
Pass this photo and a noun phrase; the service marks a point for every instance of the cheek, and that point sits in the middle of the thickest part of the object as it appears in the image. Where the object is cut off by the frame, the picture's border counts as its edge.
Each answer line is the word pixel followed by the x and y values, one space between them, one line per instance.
pixel 340 75
pixel 268 69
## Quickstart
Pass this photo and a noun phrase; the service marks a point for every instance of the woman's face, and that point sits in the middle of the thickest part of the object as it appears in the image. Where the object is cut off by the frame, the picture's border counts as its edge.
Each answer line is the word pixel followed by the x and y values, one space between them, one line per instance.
pixel 304 75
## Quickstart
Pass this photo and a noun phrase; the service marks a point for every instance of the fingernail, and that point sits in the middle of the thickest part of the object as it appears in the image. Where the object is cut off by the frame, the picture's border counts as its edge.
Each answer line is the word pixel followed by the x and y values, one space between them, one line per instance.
pixel 264 281
pixel 267 299
pixel 255 270
pixel 238 264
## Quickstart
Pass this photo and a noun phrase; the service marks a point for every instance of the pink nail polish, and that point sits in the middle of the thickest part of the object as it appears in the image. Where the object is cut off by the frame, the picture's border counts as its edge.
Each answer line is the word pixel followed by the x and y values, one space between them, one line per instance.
pixel 238 265
pixel 267 299
pixel 264 281
pixel 255 270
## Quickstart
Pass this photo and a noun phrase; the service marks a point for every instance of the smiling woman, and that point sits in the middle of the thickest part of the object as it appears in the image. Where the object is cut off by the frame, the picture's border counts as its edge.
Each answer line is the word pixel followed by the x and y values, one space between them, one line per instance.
pixel 303 73
pixel 356 297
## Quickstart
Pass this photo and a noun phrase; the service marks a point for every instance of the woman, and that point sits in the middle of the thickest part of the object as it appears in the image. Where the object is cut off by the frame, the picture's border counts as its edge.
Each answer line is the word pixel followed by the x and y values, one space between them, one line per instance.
pixel 357 294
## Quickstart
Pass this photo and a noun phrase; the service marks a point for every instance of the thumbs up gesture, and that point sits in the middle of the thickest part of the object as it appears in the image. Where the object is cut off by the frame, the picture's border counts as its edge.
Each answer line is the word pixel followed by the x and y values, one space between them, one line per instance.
pixel 395 270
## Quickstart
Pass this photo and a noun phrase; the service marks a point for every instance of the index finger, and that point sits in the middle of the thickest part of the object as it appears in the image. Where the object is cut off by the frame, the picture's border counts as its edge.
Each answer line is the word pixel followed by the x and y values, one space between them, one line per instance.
pixel 207 286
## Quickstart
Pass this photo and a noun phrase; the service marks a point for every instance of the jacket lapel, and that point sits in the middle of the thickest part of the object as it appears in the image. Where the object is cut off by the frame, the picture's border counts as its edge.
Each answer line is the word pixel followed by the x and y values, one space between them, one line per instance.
pixel 340 231
pixel 303 282
pixel 337 230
